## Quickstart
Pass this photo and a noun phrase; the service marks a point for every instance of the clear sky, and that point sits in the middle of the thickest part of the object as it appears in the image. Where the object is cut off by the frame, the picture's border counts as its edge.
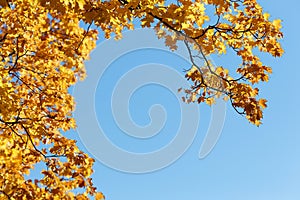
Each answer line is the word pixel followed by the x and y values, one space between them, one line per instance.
pixel 246 163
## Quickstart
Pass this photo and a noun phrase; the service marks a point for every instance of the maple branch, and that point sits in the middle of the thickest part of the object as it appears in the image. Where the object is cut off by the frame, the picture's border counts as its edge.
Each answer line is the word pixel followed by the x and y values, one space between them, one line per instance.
pixel 31 141
pixel 84 36
pixel 15 132
pixel 200 47
pixel 208 28
pixel 202 83
pixel 8 3
pixel 192 58
pixel 234 107
pixel 201 51
pixel 235 31
pixel 174 29
pixel 164 23
pixel 34 146
pixel 238 34
pixel 18 57
pixel 4 37
pixel 208 64
pixel 9 123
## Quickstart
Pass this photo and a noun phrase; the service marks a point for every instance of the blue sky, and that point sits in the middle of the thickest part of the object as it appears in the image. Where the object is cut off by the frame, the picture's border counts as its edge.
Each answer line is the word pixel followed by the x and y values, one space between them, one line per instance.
pixel 246 163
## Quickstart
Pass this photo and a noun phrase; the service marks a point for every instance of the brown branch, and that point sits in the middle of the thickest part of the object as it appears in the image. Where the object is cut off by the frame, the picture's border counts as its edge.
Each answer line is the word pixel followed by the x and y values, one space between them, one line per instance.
pixel 31 141
pixel 35 148
pixel 231 101
pixel 8 4
pixel 84 36
pixel 4 37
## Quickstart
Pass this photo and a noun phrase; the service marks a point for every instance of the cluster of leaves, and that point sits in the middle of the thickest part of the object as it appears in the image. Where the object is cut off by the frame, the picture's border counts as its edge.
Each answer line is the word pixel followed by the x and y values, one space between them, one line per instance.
pixel 240 26
pixel 237 25
pixel 42 50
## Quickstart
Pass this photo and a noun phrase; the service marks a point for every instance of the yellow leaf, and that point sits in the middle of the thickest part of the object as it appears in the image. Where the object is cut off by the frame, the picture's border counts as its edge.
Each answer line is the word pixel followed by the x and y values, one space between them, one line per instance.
pixel 210 101
pixel 266 16
pixel 277 23
pixel 99 196
pixel 262 103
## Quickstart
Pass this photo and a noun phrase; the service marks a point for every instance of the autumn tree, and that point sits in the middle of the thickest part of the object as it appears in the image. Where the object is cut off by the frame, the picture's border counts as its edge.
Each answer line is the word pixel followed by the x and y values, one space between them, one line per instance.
pixel 42 52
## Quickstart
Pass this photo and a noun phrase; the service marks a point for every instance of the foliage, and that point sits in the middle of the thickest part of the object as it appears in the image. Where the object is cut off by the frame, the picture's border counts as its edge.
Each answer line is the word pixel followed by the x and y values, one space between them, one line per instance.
pixel 42 50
